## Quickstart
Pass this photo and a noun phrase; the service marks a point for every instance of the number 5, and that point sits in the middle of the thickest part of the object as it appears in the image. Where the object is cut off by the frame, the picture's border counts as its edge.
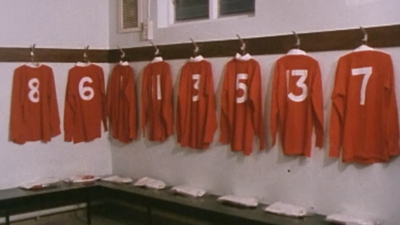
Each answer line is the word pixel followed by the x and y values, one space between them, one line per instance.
pixel 367 71
pixel 243 86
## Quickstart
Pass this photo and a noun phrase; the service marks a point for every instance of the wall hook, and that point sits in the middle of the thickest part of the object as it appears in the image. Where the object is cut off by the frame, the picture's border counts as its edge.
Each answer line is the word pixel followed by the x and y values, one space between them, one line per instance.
pixel 157 52
pixel 122 52
pixel 243 46
pixel 297 44
pixel 365 38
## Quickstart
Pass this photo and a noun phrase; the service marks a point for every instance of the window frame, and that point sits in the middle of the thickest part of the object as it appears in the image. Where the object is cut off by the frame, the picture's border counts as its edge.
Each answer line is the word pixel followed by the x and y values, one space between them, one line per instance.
pixel 214 14
pixel 120 12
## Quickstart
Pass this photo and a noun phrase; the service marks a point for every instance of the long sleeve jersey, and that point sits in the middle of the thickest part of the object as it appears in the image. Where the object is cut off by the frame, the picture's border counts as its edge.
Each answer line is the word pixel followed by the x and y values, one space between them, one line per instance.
pixel 297 104
pixel 34 108
pixel 196 116
pixel 364 119
pixel 157 105
pixel 85 103
pixel 121 103
pixel 241 107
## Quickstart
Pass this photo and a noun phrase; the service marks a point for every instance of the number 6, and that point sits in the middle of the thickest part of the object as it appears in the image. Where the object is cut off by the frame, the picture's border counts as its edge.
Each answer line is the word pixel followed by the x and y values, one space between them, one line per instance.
pixel 83 89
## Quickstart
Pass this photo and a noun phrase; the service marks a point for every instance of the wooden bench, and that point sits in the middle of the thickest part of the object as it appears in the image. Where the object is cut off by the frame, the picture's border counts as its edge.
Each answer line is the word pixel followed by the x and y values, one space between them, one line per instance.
pixel 156 204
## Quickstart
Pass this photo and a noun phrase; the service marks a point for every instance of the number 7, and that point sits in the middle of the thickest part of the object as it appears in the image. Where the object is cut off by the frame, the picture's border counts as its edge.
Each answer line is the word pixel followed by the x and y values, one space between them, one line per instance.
pixel 367 71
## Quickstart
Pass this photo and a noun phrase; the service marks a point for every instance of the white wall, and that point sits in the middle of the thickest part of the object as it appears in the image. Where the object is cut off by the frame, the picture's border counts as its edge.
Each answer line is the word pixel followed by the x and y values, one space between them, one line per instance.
pixel 271 18
pixel 58 24
pixel 54 23
pixel 326 185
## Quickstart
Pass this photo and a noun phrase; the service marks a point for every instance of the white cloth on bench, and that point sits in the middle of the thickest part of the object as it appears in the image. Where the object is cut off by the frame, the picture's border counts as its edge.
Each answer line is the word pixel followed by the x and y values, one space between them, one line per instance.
pixel 150 183
pixel 348 220
pixel 239 200
pixel 189 191
pixel 117 179
pixel 286 209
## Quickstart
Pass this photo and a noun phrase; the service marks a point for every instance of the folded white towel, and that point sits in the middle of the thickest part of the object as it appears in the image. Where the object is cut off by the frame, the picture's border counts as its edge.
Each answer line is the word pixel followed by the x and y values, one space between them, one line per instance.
pixel 117 179
pixel 189 191
pixel 42 183
pixel 348 220
pixel 286 209
pixel 238 200
pixel 150 183
pixel 83 179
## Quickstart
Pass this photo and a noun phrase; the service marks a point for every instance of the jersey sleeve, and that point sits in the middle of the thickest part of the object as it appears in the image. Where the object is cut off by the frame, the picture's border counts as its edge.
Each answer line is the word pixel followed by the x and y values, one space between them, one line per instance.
pixel 54 114
pixel 337 110
pixel 211 118
pixel 16 116
pixel 181 105
pixel 130 93
pixel 274 114
pixel 109 97
pixel 144 103
pixel 317 105
pixel 103 98
pixel 392 129
pixel 69 108
pixel 224 117
pixel 256 100
pixel 167 110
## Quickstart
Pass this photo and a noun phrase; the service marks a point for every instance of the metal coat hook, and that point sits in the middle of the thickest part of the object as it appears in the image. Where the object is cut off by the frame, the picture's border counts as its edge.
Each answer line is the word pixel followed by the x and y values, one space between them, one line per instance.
pixel 157 52
pixel 196 48
pixel 85 54
pixel 122 52
pixel 32 53
pixel 243 46
pixel 297 44
pixel 365 39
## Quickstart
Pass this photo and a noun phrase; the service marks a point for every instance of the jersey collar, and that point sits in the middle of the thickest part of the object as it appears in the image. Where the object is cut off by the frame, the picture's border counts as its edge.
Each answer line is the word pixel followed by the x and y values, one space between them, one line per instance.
pixel 157 59
pixel 243 57
pixel 197 58
pixel 296 51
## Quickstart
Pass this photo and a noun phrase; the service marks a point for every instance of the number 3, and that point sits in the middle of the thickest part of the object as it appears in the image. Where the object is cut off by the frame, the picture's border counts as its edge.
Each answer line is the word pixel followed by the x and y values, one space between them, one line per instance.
pixel 300 83
pixel 83 90
pixel 367 71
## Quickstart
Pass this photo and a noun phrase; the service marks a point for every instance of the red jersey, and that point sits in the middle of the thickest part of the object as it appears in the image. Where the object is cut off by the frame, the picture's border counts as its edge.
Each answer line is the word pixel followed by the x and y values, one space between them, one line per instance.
pixel 196 119
pixel 297 104
pixel 34 108
pixel 121 103
pixel 364 118
pixel 241 108
pixel 157 106
pixel 85 103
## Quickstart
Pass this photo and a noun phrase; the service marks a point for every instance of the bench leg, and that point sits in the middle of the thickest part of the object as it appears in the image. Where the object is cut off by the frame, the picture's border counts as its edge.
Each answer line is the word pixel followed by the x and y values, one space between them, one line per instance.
pixel 150 220
pixel 7 217
pixel 88 218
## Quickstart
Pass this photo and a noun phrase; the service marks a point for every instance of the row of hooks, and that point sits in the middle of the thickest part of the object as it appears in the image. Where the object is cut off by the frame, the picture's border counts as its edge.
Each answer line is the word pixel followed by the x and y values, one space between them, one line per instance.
pixel 196 50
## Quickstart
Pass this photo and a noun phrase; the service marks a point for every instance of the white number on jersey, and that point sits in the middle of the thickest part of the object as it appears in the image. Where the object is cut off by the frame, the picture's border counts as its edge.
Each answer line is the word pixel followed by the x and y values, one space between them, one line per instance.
pixel 83 90
pixel 300 83
pixel 243 86
pixel 367 71
pixel 196 86
pixel 33 85
pixel 158 88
